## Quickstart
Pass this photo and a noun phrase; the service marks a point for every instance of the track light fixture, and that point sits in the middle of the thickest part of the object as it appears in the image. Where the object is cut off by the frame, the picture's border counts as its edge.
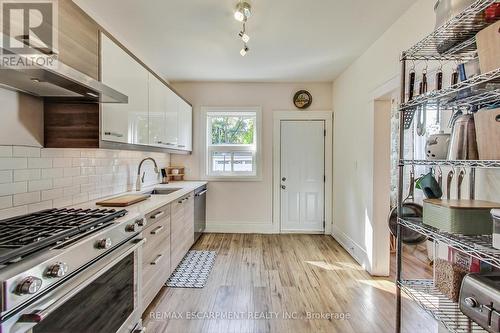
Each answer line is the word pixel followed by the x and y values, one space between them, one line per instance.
pixel 242 13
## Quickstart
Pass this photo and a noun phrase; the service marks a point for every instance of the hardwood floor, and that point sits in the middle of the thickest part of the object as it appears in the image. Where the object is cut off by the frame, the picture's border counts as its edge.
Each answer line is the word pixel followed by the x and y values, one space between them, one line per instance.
pixel 302 283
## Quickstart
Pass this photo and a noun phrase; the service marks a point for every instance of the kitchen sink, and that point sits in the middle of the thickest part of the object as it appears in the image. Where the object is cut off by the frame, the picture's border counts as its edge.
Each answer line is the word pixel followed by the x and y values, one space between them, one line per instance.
pixel 162 191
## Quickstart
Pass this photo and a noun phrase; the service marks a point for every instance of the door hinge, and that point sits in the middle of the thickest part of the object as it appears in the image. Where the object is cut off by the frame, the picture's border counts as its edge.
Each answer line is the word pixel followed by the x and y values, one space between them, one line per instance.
pixel 324 132
pixel 324 178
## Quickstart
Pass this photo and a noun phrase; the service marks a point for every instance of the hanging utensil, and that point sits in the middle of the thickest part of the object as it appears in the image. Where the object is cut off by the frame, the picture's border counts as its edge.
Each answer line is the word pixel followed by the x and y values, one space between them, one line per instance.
pixel 439 86
pixel 410 210
pixel 411 83
pixel 439 173
pixel 449 179
pixel 422 114
pixel 461 176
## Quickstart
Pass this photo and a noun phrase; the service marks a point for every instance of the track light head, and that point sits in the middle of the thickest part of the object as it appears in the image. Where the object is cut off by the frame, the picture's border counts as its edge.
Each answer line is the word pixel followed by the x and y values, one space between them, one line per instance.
pixel 244 37
pixel 243 11
pixel 244 51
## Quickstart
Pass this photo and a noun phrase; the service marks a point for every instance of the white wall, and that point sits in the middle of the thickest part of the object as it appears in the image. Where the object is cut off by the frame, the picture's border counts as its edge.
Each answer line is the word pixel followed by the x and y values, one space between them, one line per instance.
pixel 353 105
pixel 244 206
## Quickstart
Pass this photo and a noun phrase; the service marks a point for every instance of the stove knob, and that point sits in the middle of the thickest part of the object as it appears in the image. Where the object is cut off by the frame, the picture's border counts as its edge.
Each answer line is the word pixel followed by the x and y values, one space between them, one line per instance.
pixel 29 286
pixel 471 302
pixel 141 222
pixel 57 270
pixel 132 227
pixel 104 244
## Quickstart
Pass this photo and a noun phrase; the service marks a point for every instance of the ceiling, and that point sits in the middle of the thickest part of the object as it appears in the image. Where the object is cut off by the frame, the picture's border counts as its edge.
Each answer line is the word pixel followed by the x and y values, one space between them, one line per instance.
pixel 291 40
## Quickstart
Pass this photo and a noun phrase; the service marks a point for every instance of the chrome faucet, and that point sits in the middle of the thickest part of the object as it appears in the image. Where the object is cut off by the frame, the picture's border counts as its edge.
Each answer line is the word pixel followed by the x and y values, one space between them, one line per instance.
pixel 140 179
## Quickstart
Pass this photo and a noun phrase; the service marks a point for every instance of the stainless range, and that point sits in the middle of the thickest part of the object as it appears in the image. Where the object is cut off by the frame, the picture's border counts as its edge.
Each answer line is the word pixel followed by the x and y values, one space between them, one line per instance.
pixel 71 270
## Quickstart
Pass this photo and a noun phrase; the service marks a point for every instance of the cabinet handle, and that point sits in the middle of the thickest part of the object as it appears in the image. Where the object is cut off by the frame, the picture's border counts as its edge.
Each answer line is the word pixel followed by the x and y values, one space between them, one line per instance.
pixel 157 215
pixel 170 144
pixel 201 193
pixel 157 230
pixel 157 260
pixel 118 135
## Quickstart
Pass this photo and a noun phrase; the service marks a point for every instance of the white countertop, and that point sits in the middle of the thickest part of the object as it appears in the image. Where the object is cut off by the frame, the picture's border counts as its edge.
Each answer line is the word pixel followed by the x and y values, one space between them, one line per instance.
pixel 153 202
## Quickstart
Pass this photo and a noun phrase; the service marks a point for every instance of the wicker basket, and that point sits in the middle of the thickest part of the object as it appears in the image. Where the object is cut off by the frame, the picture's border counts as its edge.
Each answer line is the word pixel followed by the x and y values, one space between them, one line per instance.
pixel 449 278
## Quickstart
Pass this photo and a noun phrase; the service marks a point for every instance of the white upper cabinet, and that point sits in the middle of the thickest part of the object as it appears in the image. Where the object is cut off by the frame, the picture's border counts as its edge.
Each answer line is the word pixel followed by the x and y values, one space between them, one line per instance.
pixel 172 116
pixel 154 115
pixel 185 125
pixel 125 123
pixel 158 103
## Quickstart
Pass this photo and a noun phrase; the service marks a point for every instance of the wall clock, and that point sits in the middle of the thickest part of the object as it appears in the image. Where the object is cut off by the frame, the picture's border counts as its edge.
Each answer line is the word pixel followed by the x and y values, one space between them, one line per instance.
pixel 302 99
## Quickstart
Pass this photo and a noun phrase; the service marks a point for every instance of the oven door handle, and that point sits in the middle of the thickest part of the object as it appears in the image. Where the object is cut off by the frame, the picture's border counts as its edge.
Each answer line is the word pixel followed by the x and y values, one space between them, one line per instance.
pixel 44 309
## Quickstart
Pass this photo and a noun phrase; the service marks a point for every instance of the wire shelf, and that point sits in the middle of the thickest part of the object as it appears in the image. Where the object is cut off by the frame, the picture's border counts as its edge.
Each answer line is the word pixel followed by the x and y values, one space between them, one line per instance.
pixel 489 87
pixel 455 39
pixel 481 98
pixel 454 163
pixel 479 247
pixel 439 306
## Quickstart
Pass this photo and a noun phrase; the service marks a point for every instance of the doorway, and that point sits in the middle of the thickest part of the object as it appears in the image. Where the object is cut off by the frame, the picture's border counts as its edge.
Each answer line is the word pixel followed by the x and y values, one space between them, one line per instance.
pixel 302 172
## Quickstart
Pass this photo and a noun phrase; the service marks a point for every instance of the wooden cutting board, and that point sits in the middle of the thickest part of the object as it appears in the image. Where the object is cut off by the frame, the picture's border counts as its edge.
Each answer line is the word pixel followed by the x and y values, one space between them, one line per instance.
pixel 488 133
pixel 124 200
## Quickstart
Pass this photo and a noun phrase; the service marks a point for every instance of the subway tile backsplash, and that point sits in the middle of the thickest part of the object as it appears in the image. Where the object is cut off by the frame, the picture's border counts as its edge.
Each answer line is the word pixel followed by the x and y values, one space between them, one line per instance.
pixel 33 179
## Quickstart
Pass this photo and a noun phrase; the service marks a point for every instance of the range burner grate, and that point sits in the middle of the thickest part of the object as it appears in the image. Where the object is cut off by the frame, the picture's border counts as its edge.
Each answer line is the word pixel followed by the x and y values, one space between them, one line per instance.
pixel 20 236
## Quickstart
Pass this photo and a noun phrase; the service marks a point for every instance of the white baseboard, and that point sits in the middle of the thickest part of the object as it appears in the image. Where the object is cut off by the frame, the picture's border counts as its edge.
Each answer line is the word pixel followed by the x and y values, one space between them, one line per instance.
pixel 240 228
pixel 355 250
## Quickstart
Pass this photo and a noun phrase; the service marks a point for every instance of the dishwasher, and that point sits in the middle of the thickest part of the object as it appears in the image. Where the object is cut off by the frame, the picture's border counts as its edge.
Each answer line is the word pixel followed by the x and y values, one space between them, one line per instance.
pixel 200 206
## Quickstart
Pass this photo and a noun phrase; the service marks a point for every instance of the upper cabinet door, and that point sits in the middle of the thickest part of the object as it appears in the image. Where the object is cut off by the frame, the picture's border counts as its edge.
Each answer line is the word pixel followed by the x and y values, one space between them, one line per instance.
pixel 185 126
pixel 158 103
pixel 126 123
pixel 172 118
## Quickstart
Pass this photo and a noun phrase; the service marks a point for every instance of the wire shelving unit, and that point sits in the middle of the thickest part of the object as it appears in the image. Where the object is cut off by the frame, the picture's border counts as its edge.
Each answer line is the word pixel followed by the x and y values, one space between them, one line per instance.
pixel 454 41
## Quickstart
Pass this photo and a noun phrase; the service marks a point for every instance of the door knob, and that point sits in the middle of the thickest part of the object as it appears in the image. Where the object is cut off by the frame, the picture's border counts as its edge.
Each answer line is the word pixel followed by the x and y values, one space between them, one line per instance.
pixel 283 187
pixel 283 179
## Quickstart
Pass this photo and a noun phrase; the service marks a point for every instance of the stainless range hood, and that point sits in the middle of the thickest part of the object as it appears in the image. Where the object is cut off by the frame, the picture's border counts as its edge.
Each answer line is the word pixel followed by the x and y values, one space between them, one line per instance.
pixel 58 81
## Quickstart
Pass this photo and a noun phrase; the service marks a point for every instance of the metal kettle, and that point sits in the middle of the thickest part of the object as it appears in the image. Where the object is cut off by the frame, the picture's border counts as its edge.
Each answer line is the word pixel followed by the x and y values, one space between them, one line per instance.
pixel 447 9
pixel 463 145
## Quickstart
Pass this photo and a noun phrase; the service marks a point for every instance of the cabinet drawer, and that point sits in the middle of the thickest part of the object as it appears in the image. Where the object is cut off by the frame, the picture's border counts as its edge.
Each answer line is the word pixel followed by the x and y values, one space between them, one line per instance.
pixel 158 242
pixel 182 228
pixel 156 253
pixel 158 215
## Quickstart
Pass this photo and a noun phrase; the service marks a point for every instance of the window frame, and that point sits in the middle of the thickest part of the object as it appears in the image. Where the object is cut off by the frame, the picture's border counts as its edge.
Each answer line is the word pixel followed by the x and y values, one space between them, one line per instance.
pixel 207 151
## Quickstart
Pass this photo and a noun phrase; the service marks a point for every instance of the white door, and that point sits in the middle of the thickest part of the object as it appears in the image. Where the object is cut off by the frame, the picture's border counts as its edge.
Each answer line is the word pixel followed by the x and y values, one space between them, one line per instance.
pixel 302 176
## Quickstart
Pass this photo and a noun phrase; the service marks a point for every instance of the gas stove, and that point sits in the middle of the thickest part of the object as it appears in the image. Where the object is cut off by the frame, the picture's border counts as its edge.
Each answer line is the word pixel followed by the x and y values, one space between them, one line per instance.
pixel 44 254
pixel 20 236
